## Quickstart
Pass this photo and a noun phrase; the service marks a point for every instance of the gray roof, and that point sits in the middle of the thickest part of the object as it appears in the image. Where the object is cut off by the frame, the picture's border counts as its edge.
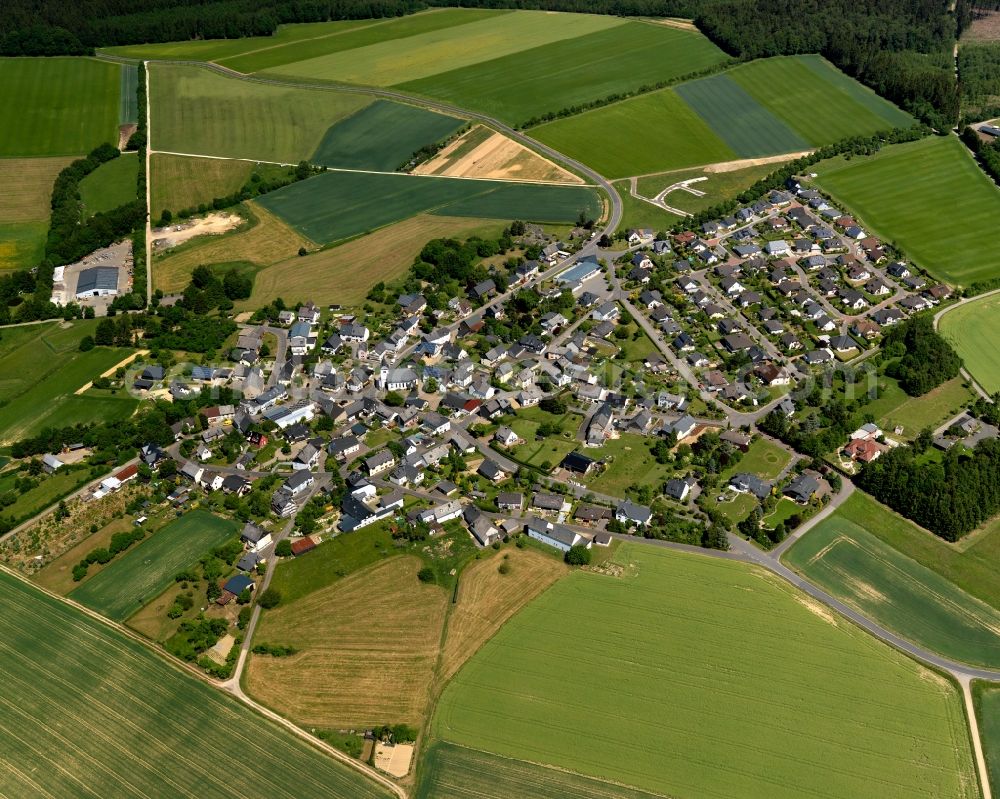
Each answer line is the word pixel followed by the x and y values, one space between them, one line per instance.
pixel 98 278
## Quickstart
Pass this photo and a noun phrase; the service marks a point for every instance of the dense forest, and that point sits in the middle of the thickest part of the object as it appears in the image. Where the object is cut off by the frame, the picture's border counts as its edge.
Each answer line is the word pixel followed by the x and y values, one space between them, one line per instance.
pixel 926 360
pixel 950 498
pixel 979 79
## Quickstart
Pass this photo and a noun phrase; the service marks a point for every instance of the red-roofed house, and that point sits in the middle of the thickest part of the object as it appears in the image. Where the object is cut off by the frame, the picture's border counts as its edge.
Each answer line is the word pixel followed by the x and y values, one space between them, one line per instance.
pixel 863 450
pixel 128 473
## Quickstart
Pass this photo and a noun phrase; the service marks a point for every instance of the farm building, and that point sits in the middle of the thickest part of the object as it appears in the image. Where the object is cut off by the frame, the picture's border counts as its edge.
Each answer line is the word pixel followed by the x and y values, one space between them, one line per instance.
pixel 98 281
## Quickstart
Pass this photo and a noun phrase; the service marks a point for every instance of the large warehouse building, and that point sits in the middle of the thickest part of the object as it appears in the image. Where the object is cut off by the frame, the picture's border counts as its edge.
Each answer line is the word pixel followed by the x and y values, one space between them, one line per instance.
pixel 98 281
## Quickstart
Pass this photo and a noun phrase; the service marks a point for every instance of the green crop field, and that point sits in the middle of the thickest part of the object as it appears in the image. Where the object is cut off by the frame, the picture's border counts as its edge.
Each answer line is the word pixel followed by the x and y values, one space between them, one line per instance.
pixel 967 327
pixel 382 136
pixel 112 184
pixel 339 205
pixel 142 572
pixel 930 198
pixel 389 61
pixel 987 701
pixel 782 690
pixel 40 370
pixel 57 106
pixel 178 182
pixel 86 711
pixel 198 111
pixel 128 108
pixel 456 772
pixel 816 100
pixel 287 38
pixel 558 75
pixel 738 119
pixel 897 592
pixel 651 133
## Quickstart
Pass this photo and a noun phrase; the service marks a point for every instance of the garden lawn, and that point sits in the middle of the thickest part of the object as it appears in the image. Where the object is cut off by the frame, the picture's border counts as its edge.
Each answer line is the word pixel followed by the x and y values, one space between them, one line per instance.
pixel 179 182
pixel 340 205
pixel 198 111
pixel 346 273
pixel 143 571
pixel 967 327
pixel 629 463
pixel 764 458
pixel 551 449
pixel 931 199
pixel 113 183
pixel 391 61
pixel 877 580
pixel 862 714
pixel 651 133
pixel 87 711
pixel 57 106
pixel 572 71
pixel 382 136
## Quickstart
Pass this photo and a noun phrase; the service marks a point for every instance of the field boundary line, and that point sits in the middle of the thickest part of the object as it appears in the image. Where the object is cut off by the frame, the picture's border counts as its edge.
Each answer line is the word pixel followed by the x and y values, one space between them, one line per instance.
pixel 380 172
pixel 977 742
pixel 180 665
pixel 112 370
pixel 149 180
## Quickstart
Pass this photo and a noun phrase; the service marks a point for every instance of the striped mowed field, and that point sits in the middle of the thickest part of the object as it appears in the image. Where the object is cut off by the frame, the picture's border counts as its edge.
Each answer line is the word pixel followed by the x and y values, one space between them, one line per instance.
pixel 781 688
pixel 86 711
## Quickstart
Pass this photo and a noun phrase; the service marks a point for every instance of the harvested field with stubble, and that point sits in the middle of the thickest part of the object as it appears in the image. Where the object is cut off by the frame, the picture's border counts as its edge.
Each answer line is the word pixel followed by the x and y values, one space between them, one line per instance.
pixel 487 599
pixel 368 646
pixel 346 273
pixel 483 153
pixel 88 712
pixel 782 690
pixel 267 240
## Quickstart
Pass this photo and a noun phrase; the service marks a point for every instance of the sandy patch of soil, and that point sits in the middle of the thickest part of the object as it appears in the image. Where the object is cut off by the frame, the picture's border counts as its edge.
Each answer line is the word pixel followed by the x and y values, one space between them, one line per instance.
pixel 125 133
pixel 743 163
pixel 496 158
pixel 212 225
pixel 394 760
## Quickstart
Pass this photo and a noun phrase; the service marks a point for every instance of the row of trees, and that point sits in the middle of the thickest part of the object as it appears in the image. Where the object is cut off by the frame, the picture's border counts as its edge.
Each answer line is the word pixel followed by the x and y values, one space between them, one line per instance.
pixel 950 498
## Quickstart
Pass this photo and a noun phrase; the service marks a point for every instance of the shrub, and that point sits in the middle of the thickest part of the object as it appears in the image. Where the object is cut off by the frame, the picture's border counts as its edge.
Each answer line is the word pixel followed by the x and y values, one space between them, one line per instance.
pixel 270 599
pixel 426 575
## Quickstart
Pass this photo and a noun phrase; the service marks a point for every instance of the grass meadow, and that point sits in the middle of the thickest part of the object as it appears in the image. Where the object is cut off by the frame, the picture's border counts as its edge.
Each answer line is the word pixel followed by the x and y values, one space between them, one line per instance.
pixel 457 772
pixel 87 711
pixel 717 186
pixel 629 462
pixel 142 572
pixel 967 327
pixel 112 184
pixel 41 368
pixel 24 208
pixel 382 136
pixel 198 111
pixel 868 574
pixel 522 85
pixel 388 61
pixel 340 205
pixel 177 182
pixel 931 199
pixel 782 689
pixel 345 274
pixel 651 133
pixel 930 410
pixel 370 662
pixel 57 106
